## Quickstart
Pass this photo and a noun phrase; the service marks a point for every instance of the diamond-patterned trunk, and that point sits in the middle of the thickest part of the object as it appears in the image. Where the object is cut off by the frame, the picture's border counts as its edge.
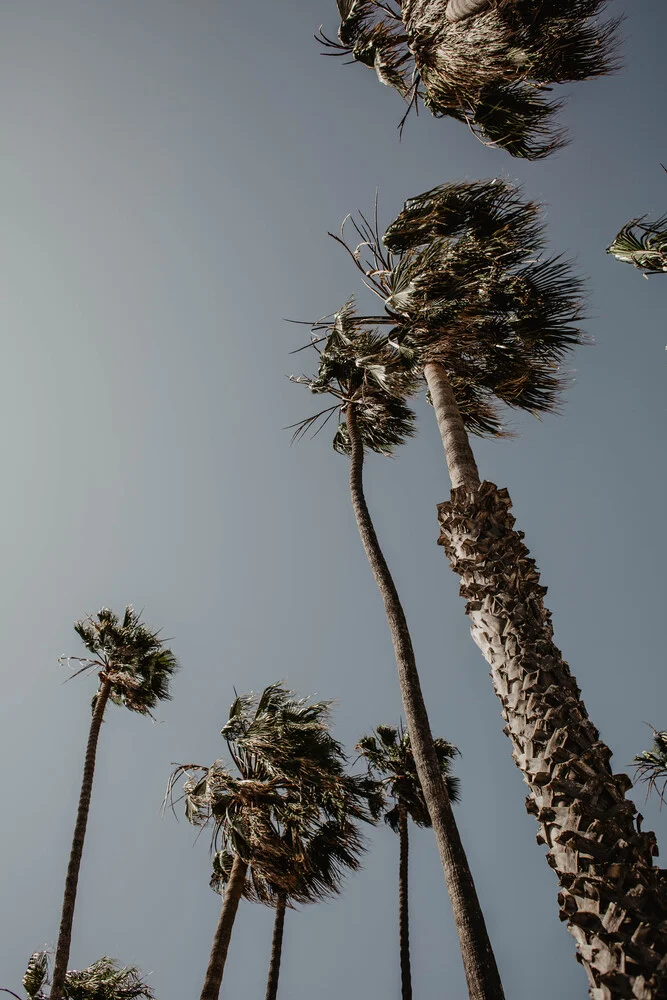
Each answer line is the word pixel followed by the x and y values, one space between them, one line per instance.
pixel 613 898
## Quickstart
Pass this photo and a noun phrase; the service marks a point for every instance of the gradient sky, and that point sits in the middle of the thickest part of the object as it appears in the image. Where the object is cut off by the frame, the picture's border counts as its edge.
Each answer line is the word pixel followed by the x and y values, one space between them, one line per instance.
pixel 169 172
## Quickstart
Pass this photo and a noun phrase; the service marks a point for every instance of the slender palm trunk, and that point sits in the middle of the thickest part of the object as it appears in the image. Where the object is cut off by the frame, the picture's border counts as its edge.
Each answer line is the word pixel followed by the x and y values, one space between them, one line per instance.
pixel 276 950
pixel 612 897
pixel 478 958
pixel 403 914
pixel 76 852
pixel 223 932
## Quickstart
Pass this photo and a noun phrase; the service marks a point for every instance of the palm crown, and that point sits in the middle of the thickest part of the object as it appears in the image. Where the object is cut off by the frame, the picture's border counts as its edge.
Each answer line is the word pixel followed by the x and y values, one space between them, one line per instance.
pixel 651 765
pixel 643 244
pixel 105 979
pixel 464 281
pixel 489 63
pixel 291 812
pixel 129 656
pixel 389 756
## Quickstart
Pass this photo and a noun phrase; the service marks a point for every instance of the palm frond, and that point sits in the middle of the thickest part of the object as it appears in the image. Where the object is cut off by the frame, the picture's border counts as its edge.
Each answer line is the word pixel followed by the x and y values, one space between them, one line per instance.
pixel 651 765
pixel 642 244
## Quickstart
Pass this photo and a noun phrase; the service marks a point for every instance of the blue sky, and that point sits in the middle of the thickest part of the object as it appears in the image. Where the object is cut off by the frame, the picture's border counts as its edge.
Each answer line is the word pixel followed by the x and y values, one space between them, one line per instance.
pixel 169 173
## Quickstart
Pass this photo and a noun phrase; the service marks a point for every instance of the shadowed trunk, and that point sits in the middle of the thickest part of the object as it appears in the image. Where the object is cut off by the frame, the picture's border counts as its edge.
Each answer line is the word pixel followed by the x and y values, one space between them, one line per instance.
pixel 403 913
pixel 613 899
pixel 479 962
pixel 223 932
pixel 276 950
pixel 76 853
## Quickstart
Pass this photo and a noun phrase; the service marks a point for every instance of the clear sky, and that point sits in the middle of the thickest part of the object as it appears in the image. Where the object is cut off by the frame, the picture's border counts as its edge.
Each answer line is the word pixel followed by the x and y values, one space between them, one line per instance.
pixel 169 172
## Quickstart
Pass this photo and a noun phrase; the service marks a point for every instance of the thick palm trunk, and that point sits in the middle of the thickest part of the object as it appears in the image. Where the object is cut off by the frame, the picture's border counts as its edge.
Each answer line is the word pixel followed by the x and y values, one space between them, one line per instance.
pixel 478 959
pixel 223 932
pixel 403 913
pixel 276 950
pixel 613 899
pixel 78 839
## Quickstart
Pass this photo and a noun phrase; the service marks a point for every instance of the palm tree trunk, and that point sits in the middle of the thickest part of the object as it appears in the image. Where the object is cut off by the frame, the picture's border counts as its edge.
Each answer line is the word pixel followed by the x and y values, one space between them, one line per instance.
pixel 478 959
pixel 460 459
pixel 459 10
pixel 76 852
pixel 613 899
pixel 403 914
pixel 223 932
pixel 276 950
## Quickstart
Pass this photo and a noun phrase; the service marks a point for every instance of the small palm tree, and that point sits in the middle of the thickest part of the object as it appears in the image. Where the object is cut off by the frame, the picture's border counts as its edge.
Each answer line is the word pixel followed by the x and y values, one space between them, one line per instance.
pixel 361 371
pixel 651 765
pixel 489 63
pixel 134 669
pixel 291 786
pixel 643 244
pixel 390 759
pixel 105 979
pixel 474 308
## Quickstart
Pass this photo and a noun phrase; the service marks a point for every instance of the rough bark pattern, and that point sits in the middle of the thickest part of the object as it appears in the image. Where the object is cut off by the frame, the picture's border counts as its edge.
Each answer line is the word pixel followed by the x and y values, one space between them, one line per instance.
pixel 459 10
pixel 403 913
pixel 613 899
pixel 223 932
pixel 479 961
pixel 78 839
pixel 276 951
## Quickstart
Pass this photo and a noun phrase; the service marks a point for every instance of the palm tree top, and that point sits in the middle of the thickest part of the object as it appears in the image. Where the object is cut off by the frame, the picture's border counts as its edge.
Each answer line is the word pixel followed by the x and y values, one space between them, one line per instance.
pixel 129 655
pixel 651 765
pixel 489 63
pixel 290 796
pixel 463 280
pixel 644 244
pixel 389 756
pixel 105 979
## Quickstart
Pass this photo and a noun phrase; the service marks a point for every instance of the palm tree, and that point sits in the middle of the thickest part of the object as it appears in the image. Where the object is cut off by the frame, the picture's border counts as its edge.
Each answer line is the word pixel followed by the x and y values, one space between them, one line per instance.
pixel 474 307
pixel 105 979
pixel 390 758
pixel 651 765
pixel 134 669
pixel 643 244
pixel 356 368
pixel 291 786
pixel 489 63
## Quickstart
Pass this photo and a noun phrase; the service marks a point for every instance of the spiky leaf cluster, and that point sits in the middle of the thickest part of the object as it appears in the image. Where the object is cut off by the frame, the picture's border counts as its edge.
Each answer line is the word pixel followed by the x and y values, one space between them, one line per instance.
pixel 651 765
pixel 129 655
pixel 390 758
pixel 290 811
pixel 105 979
pixel 643 244
pixel 463 280
pixel 489 63
pixel 357 367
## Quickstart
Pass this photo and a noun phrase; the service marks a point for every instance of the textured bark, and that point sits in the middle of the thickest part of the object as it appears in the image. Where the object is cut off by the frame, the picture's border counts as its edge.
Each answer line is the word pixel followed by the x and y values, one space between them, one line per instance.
pixel 223 932
pixel 479 962
pixel 613 899
pixel 276 951
pixel 403 912
pixel 460 459
pixel 458 10
pixel 76 852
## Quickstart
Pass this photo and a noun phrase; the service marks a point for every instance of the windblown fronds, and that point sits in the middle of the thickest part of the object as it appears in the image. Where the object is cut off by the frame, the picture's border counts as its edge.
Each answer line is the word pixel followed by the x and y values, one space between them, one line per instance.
pixel 489 63
pixel 643 244
pixel 651 765
pixel 105 979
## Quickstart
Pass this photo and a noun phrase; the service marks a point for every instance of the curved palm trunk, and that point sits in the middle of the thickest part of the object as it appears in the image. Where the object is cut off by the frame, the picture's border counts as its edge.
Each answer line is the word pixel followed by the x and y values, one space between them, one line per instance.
pixel 76 852
pixel 612 897
pixel 276 950
pixel 223 932
pixel 459 10
pixel 478 959
pixel 403 914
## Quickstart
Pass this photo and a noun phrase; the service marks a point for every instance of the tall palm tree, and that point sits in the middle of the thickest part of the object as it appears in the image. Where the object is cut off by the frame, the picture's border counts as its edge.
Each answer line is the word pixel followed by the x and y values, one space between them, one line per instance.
pixel 134 669
pixel 489 63
pixel 651 765
pixel 390 758
pixel 291 785
pixel 105 979
pixel 476 309
pixel 643 244
pixel 356 368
